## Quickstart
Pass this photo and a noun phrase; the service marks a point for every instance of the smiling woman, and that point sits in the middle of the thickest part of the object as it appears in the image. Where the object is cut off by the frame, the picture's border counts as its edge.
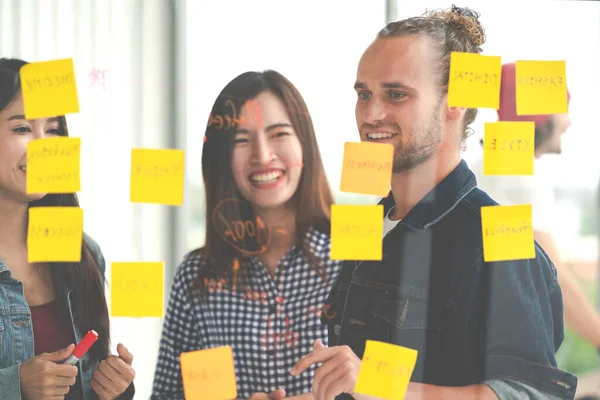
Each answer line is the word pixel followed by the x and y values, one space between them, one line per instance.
pixel 267 191
pixel 47 307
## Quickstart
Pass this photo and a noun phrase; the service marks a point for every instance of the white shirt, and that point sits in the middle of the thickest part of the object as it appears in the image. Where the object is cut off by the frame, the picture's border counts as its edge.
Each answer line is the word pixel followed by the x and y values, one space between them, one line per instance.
pixel 536 190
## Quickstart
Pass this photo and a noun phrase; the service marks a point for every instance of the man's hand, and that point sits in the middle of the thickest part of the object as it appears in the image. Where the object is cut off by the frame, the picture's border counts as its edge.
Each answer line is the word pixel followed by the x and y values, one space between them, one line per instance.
pixel 113 375
pixel 278 394
pixel 337 375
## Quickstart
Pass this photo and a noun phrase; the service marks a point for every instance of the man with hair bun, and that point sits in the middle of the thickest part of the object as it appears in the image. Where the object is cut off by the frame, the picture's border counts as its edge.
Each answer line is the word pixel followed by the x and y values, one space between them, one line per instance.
pixel 483 330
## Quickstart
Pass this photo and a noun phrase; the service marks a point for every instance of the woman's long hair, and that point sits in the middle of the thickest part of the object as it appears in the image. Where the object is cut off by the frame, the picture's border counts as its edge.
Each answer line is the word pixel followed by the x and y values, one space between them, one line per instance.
pixel 88 300
pixel 312 199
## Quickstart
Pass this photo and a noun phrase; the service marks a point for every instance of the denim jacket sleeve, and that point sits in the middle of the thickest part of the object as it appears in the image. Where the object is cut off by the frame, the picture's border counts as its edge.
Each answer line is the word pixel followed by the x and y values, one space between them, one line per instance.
pixel 10 382
pixel 516 323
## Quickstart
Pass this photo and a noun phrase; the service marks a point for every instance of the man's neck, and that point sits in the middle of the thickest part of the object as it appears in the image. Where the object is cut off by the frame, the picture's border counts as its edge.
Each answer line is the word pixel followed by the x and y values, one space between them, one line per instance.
pixel 409 187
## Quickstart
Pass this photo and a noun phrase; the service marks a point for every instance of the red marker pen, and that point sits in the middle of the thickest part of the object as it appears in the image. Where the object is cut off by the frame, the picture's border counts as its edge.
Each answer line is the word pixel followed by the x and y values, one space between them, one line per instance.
pixel 82 348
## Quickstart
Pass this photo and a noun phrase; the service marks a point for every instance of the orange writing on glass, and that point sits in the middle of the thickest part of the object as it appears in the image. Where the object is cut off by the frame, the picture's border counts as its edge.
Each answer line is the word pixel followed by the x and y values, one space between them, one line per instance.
pixel 233 120
pixel 250 237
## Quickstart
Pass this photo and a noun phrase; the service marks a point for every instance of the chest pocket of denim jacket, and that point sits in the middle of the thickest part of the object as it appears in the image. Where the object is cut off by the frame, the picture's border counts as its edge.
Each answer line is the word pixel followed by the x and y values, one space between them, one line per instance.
pixel 410 318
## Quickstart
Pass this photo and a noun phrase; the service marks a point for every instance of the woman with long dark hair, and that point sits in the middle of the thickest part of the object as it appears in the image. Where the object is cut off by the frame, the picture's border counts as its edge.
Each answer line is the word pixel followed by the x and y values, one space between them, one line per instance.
pixel 45 308
pixel 260 280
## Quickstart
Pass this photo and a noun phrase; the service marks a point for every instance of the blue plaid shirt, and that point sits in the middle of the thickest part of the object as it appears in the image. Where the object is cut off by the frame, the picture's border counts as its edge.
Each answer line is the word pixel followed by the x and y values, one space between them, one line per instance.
pixel 269 327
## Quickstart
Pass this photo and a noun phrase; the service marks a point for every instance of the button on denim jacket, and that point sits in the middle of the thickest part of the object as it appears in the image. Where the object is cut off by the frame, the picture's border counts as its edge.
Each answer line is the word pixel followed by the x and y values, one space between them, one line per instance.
pixel 16 333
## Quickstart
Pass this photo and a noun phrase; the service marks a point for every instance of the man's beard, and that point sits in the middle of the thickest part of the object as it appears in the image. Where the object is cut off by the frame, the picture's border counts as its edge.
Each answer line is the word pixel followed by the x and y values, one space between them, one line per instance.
pixel 417 147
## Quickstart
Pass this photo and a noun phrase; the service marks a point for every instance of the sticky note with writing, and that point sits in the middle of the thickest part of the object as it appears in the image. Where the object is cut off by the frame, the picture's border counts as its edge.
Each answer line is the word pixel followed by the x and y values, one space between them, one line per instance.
pixel 385 370
pixel 137 289
pixel 474 80
pixel 54 234
pixel 157 176
pixel 541 87
pixel 49 89
pixel 367 168
pixel 356 232
pixel 209 374
pixel 53 165
pixel 508 148
pixel 507 233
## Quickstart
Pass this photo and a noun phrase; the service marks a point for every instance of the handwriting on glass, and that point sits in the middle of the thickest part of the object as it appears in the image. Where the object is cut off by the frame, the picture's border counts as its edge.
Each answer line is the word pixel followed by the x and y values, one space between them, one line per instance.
pixel 221 286
pixel 540 81
pixel 53 81
pixel 156 171
pixel 98 76
pixel 203 376
pixel 249 237
pixel 53 151
pixel 233 120
pixel 506 144
pixel 369 165
pixel 287 337
pixel 47 231
pixel 64 176
pixel 476 77
pixel 359 230
pixel 318 311
pixel 132 285
pixel 508 230
pixel 393 369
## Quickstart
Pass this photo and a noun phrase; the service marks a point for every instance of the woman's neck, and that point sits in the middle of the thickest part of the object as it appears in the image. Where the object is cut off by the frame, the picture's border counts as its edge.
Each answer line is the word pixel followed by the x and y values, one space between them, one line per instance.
pixel 13 227
pixel 282 225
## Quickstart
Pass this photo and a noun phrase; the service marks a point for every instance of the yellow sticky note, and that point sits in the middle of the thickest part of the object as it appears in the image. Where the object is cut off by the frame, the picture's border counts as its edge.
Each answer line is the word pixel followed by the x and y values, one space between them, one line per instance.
pixel 137 289
pixel 367 168
pixel 507 233
pixel 209 374
pixel 49 89
pixel 474 80
pixel 508 148
pixel 53 165
pixel 54 234
pixel 541 87
pixel 157 176
pixel 356 232
pixel 385 370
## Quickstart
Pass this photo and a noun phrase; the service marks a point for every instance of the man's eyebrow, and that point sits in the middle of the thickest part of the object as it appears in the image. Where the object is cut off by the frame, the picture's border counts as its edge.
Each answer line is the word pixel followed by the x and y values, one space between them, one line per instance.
pixel 396 85
pixel 385 85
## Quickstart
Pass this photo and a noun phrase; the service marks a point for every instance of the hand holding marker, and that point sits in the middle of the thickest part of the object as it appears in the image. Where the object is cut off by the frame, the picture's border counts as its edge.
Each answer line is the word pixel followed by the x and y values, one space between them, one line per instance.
pixel 82 348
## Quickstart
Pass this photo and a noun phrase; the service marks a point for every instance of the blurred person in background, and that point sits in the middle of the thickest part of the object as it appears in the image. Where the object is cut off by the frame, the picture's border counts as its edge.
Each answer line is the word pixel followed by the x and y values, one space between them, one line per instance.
pixel 538 190
pixel 265 164
pixel 47 307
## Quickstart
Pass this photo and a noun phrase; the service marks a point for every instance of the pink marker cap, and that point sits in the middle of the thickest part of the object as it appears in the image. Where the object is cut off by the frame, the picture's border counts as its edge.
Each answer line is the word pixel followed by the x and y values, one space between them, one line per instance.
pixel 85 344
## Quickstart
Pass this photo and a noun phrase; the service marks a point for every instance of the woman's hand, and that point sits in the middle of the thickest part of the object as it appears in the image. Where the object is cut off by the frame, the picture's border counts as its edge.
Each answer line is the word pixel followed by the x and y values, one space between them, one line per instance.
pixel 42 377
pixel 113 375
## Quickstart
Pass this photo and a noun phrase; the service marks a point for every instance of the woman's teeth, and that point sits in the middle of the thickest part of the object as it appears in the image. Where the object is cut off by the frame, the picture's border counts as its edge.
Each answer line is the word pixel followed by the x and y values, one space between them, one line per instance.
pixel 379 135
pixel 266 178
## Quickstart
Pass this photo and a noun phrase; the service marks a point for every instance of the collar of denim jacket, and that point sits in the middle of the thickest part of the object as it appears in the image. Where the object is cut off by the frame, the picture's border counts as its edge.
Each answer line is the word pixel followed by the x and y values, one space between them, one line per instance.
pixel 439 201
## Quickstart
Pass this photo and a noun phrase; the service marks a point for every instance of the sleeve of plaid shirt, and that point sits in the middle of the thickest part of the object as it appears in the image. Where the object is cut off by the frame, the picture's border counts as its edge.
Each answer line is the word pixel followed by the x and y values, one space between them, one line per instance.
pixel 181 333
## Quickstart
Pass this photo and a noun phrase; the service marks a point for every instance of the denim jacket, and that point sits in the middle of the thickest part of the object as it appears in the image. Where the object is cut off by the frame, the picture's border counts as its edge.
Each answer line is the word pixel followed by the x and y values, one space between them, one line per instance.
pixel 470 320
pixel 16 333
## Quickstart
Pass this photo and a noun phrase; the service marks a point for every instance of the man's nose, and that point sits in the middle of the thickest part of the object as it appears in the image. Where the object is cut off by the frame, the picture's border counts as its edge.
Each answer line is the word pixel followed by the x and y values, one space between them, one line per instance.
pixel 374 112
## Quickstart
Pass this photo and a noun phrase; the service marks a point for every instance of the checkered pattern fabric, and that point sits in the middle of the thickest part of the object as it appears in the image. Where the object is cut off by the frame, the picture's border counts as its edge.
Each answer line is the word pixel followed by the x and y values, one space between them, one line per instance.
pixel 269 322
